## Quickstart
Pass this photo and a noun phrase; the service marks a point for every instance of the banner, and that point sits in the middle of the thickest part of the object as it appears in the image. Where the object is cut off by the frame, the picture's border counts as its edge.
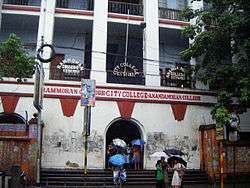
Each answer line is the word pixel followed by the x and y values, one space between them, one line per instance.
pixel 88 92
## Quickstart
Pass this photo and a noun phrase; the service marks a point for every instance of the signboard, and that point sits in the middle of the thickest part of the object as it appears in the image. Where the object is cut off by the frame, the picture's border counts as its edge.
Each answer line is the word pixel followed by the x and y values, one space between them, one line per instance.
pixel 177 77
pixel 126 70
pixel 38 88
pixel 144 95
pixel 88 92
pixel 71 68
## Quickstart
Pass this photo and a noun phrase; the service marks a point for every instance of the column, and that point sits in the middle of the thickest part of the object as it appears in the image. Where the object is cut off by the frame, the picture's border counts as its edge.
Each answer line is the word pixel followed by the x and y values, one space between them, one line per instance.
pixel 99 42
pixel 46 28
pixel 151 43
pixel 1 6
pixel 195 5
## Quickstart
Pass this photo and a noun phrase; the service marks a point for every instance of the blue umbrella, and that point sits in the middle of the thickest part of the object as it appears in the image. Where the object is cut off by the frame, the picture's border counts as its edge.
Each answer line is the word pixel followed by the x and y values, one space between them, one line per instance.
pixel 138 142
pixel 117 160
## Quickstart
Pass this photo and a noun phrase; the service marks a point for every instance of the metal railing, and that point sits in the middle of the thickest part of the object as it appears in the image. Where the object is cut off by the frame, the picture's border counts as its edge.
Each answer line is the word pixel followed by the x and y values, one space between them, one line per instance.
pixel 122 8
pixel 75 4
pixel 23 2
pixel 175 78
pixel 171 14
pixel 70 74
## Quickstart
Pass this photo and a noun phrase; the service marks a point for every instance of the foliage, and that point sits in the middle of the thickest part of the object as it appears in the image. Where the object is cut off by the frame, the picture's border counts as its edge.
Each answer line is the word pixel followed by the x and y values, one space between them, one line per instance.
pixel 14 61
pixel 221 43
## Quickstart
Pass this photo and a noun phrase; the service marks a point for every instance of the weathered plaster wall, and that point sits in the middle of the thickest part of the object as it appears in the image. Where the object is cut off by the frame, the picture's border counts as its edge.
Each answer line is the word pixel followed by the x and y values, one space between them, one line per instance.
pixel 62 140
pixel 164 131
pixel 63 144
pixel 102 115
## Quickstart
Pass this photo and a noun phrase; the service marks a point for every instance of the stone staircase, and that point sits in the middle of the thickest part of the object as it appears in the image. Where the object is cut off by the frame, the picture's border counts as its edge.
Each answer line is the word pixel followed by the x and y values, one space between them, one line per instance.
pixel 75 178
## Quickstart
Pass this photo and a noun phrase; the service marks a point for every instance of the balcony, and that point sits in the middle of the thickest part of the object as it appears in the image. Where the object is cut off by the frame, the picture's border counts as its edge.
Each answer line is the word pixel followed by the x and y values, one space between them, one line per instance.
pixel 23 2
pixel 75 4
pixel 171 14
pixel 124 8
pixel 179 76
pixel 69 72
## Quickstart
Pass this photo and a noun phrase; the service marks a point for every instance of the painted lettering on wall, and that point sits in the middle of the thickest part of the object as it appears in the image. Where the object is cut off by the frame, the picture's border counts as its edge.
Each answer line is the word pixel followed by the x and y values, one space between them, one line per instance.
pixel 113 93
pixel 145 95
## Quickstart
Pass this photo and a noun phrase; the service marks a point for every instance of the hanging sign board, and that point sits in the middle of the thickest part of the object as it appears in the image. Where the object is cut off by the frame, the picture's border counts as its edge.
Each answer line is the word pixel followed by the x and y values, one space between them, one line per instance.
pixel 88 92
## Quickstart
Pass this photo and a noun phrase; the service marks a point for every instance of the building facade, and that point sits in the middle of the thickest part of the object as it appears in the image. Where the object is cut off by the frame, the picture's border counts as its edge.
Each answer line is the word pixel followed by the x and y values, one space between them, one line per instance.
pixel 143 89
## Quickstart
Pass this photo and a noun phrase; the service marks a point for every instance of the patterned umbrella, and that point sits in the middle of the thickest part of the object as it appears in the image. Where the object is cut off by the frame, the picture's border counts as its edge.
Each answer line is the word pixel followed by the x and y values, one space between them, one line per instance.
pixel 119 142
pixel 159 154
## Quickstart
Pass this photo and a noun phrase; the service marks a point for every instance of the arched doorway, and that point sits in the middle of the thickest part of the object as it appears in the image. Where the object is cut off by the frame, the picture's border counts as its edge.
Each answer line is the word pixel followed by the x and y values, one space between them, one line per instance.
pixel 126 130
pixel 12 118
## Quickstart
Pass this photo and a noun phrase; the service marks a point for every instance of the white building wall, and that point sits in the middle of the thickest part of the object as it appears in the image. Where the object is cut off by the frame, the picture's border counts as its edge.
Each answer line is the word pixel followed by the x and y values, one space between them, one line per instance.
pixel 99 42
pixel 151 43
pixel 158 124
pixel 62 136
pixel 164 131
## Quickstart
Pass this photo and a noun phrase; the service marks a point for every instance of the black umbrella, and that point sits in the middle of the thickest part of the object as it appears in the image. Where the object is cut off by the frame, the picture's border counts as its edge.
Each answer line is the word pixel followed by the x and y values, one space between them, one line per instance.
pixel 170 152
pixel 178 159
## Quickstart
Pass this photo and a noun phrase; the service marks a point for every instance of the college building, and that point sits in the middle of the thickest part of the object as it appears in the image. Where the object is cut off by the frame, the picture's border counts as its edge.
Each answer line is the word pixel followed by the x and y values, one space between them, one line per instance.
pixel 131 48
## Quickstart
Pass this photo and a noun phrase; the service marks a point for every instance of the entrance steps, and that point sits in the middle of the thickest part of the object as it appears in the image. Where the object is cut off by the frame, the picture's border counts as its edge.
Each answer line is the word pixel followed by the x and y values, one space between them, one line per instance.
pixel 75 178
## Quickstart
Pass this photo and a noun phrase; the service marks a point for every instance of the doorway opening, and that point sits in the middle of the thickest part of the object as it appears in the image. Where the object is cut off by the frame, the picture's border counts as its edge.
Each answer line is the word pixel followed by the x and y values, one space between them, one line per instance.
pixel 126 130
pixel 11 118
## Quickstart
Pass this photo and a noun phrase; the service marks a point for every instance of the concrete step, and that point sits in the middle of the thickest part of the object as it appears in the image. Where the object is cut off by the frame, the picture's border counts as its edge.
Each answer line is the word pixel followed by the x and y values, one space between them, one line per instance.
pixel 103 178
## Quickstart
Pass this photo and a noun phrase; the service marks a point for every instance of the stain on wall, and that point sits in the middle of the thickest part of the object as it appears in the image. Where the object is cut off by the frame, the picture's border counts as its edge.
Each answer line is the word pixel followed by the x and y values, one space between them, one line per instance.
pixel 96 142
pixel 158 141
pixel 96 150
pixel 64 141
pixel 64 145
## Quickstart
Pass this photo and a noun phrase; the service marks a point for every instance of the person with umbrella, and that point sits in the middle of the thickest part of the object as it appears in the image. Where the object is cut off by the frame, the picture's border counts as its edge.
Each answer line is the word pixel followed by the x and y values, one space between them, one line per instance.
pixel 177 176
pixel 137 150
pixel 165 168
pixel 136 157
pixel 119 173
pixel 159 175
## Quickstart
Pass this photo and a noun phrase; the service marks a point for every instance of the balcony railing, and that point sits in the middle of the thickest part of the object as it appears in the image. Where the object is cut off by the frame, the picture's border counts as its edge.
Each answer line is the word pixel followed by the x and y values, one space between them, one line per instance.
pixel 171 14
pixel 75 4
pixel 70 73
pixel 23 2
pixel 175 77
pixel 122 8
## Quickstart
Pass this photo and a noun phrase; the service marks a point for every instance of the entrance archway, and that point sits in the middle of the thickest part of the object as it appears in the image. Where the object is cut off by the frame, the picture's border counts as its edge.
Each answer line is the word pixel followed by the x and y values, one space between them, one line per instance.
pixel 12 118
pixel 126 130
